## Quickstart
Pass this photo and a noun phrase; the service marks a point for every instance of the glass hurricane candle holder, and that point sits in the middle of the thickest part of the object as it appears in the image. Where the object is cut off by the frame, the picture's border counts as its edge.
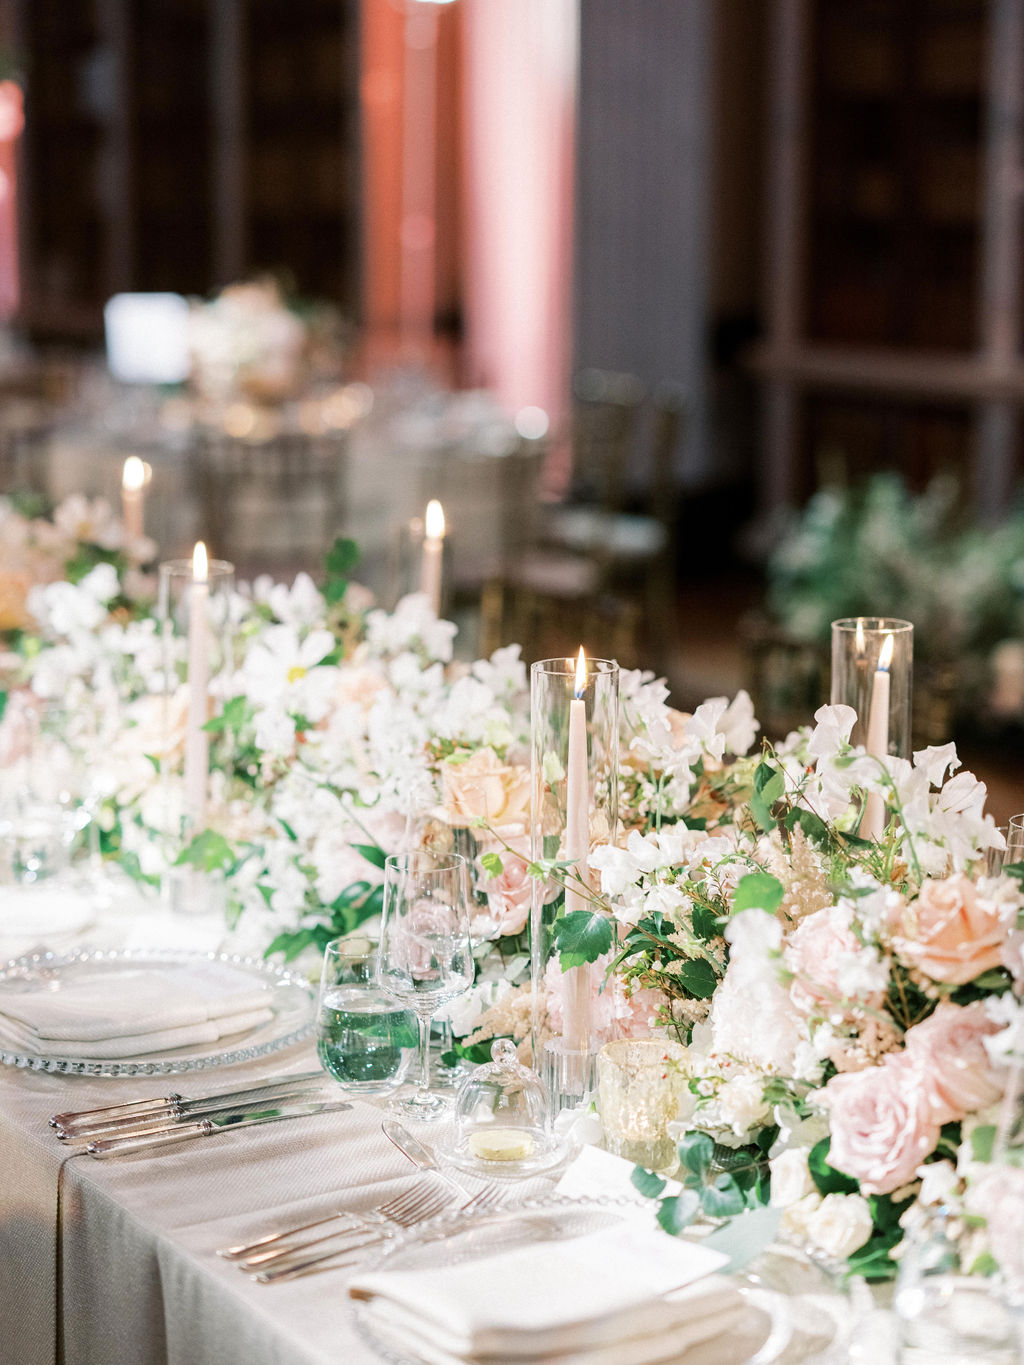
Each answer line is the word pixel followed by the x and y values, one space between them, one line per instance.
pixel 194 612
pixel 574 725
pixel 876 679
pixel 640 1084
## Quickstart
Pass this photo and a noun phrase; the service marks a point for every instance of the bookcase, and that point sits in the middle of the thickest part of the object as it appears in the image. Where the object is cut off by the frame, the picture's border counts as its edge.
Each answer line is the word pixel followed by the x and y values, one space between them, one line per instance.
pixel 182 144
pixel 895 160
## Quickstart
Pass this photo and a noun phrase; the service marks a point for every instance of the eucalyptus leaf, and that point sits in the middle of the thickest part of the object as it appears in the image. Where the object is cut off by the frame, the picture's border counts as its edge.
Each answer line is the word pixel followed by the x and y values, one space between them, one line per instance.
pixel 678 1211
pixel 647 1182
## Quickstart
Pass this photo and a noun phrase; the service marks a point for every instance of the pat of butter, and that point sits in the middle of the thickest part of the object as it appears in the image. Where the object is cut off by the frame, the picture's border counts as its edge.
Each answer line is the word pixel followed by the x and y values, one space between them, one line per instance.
pixel 501 1144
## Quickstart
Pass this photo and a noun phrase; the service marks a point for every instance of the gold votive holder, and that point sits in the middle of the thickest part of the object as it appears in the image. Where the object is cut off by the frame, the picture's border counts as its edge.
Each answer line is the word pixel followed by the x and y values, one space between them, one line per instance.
pixel 641 1082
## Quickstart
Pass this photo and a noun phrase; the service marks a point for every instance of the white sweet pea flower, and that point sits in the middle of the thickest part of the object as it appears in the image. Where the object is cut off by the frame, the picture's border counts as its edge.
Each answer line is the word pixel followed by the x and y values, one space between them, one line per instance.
pixel 703 726
pixel 738 725
pixel 101 583
pixel 936 760
pixel 504 672
pixel 832 731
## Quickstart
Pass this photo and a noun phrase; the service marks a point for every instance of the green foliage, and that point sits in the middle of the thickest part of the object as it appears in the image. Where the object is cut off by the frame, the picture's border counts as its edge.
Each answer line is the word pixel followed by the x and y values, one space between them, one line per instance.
pixel 235 716
pixel 678 1211
pixel 699 978
pixel 982 1141
pixel 492 864
pixel 209 852
pixel 707 1187
pixel 342 558
pixel 647 1182
pixel 769 785
pixel 582 936
pixel 372 854
pixel 758 890
pixel 827 1180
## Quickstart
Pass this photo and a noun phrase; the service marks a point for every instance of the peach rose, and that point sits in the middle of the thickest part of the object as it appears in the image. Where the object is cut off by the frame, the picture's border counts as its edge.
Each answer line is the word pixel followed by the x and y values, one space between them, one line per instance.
pixel 948 1051
pixel 882 1122
pixel 950 932
pixel 483 788
pixel 14 588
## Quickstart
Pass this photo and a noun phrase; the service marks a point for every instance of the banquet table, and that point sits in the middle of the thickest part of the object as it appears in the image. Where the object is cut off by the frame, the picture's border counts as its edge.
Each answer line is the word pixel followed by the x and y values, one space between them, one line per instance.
pixel 112 1262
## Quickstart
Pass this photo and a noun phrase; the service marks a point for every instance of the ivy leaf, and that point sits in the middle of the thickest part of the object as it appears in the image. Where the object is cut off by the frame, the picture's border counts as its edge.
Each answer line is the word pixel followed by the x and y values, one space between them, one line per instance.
pixel 492 864
pixel 758 890
pixel 698 977
pixel 695 1152
pixel 678 1211
pixel 827 1179
pixel 723 1197
pixel 649 1184
pixel 582 936
pixel 371 853
pixel 209 851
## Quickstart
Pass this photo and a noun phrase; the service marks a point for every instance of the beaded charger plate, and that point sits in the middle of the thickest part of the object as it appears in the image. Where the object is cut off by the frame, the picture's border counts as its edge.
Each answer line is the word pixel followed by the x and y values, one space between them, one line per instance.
pixel 290 996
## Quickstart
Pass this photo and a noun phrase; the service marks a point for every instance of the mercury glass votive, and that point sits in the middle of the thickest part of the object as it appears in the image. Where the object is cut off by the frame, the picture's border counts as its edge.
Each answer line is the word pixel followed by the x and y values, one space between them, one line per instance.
pixel 640 1084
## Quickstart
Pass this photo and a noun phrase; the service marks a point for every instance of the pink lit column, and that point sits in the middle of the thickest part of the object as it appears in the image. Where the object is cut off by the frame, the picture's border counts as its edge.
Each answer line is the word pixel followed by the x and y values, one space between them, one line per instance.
pixel 12 121
pixel 520 91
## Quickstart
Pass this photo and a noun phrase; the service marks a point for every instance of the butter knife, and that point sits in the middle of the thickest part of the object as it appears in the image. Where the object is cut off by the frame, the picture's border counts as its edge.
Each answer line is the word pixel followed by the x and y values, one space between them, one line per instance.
pixel 132 1125
pixel 421 1156
pixel 182 1132
pixel 84 1118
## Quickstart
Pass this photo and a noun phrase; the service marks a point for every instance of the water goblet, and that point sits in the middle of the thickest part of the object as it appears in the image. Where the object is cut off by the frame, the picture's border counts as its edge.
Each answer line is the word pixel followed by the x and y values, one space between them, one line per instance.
pixel 426 957
pixel 365 1039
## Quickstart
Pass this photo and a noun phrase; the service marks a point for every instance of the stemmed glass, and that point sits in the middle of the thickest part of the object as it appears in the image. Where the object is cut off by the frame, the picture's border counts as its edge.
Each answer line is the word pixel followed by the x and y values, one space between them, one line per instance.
pixel 426 957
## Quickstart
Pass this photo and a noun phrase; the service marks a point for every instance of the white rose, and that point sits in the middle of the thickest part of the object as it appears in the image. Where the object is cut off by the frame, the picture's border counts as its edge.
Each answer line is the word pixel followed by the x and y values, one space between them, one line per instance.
pixel 791 1180
pixel 796 1219
pixel 741 1104
pixel 840 1224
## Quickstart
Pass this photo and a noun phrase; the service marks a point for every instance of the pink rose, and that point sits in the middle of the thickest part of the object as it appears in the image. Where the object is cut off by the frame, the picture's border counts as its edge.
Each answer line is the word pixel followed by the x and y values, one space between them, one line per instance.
pixel 481 787
pixel 948 1052
pixel 510 893
pixel 882 1124
pixel 950 932
pixel 819 948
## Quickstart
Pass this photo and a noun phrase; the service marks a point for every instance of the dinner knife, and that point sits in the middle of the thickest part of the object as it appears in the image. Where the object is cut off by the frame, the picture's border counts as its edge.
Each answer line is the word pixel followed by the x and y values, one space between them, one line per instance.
pixel 86 1117
pixel 182 1132
pixel 128 1125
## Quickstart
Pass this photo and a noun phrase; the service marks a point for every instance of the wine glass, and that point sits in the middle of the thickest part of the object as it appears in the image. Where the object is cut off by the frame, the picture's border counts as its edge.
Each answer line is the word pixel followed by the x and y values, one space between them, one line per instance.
pixel 426 957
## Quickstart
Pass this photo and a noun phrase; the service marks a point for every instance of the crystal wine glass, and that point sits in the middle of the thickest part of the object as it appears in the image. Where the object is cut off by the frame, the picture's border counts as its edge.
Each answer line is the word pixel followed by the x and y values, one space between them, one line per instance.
pixel 426 957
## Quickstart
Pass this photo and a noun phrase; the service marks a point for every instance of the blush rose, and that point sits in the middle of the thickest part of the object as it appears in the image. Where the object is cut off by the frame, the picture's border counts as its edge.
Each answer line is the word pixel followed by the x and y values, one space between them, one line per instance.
pixel 950 932
pixel 882 1122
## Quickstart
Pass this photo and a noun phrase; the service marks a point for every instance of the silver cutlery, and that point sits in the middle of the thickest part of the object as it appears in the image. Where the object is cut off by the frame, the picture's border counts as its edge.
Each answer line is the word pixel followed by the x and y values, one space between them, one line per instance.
pixel 330 1259
pixel 131 1125
pixel 165 1137
pixel 85 1117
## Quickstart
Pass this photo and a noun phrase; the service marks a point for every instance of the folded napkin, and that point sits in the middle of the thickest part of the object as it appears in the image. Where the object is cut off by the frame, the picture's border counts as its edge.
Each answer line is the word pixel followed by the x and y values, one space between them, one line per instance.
pixel 130 1013
pixel 628 1295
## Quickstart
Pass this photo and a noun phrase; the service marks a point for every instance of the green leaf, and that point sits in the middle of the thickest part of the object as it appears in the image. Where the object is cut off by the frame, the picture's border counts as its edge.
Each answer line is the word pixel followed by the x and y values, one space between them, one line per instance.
pixel 698 977
pixel 582 936
pixel 723 1198
pixel 704 923
pixel 984 1264
pixel 982 1141
pixel 492 864
pixel 827 1179
pixel 342 557
pixel 236 714
pixel 290 943
pixel 758 890
pixel 3 704
pixel 1014 870
pixel 813 826
pixel 745 1237
pixel 208 851
pixel 872 1261
pixel 696 1151
pixel 372 854
pixel 154 760
pixel 678 1211
pixel 769 784
pixel 649 1184
pixel 288 830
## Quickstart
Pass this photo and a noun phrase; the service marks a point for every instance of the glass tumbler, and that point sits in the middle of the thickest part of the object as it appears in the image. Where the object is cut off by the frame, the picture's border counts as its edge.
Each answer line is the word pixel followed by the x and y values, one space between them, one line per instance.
pixel 365 1039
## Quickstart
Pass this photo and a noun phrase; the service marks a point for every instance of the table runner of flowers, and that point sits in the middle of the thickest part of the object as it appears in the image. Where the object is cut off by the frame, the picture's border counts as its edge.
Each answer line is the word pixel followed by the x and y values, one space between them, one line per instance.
pixel 849 1006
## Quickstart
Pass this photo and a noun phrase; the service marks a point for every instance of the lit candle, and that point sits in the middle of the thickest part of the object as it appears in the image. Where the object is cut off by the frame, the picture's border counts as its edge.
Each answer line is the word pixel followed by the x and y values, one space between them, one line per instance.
pixel 433 554
pixel 878 738
pixel 197 741
pixel 576 1012
pixel 133 480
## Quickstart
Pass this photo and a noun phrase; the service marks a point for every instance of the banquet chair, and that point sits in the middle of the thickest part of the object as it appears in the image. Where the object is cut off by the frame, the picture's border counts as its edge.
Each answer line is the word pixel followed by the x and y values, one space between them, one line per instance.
pixel 596 571
pixel 272 506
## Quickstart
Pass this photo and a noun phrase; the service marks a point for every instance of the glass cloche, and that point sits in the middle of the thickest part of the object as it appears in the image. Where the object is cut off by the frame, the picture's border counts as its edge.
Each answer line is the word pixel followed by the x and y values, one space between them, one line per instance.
pixel 502 1119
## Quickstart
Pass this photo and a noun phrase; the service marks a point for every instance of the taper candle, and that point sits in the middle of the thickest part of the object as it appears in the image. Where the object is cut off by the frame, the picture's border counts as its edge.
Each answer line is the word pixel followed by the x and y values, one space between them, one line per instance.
pixel 878 739
pixel 133 481
pixel 576 1012
pixel 433 554
pixel 197 741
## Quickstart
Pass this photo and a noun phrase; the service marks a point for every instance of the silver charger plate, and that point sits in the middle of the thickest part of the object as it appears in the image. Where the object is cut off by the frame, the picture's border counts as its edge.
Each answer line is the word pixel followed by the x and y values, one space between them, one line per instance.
pixel 293 1001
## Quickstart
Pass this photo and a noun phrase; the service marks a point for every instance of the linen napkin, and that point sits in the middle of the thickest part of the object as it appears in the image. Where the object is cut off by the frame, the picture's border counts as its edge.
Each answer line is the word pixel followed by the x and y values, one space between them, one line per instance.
pixel 628 1295
pixel 129 1013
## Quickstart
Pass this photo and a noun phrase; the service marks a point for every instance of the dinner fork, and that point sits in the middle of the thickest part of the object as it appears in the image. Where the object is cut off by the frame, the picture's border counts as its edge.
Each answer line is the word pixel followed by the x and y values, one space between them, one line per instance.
pixel 323 1260
pixel 416 1206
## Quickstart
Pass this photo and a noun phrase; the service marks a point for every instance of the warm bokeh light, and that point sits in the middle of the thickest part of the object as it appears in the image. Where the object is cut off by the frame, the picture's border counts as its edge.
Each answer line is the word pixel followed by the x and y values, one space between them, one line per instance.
pixel 581 673
pixel 433 522
pixel 200 563
pixel 133 476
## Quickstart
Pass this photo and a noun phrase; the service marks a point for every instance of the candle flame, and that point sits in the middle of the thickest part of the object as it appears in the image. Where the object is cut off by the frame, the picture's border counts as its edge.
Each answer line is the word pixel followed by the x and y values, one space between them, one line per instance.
pixel 133 475
pixel 859 639
pixel 200 563
pixel 581 674
pixel 433 522
pixel 885 654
